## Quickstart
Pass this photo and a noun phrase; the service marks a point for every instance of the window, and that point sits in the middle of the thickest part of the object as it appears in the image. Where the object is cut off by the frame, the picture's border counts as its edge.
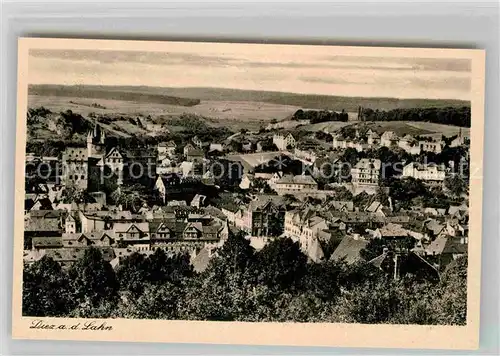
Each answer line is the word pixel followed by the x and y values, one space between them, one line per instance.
pixel 82 177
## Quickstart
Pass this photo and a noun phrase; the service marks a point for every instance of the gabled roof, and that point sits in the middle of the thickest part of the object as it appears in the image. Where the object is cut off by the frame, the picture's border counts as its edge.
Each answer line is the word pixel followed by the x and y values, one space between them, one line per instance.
pixel 348 250
pixel 298 179
pixel 315 252
pixel 167 144
pixel 197 225
pixel 446 244
pixel 374 207
pixel 434 226
pixel 201 260
pixel 112 151
pixel 341 205
pixel 47 242
pixel 42 225
pixel 389 135
pixel 393 230
pixel 368 163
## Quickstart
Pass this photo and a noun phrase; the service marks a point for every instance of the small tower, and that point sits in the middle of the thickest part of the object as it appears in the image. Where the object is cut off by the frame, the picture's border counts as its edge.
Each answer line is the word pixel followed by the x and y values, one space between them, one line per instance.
pixel 70 225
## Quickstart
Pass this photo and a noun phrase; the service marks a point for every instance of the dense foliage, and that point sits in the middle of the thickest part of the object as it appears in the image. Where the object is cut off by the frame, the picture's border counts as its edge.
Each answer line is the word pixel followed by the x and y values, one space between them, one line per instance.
pixel 459 116
pixel 317 116
pixel 276 283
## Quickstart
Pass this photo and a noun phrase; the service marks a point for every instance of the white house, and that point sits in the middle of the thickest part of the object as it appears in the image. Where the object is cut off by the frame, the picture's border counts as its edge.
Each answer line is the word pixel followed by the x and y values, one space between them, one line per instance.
pixel 366 172
pixel 410 145
pixel 304 226
pixel 290 184
pixel 166 149
pixel 426 172
pixel 389 138
pixel 431 146
pixel 283 140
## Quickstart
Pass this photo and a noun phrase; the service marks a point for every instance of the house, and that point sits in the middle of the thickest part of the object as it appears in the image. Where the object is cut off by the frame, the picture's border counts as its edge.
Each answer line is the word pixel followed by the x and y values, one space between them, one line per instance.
pixel 433 228
pixel 366 172
pixel 96 239
pixel 445 249
pixel 166 149
pixel 129 233
pixel 114 160
pixel 339 142
pixel 66 257
pixel 399 265
pixel 304 226
pixel 164 183
pixel 410 145
pixel 389 139
pixel 349 249
pixel 201 259
pixel 459 140
pixel 263 216
pixel 93 222
pixel 193 154
pixel 377 208
pixel 216 147
pixel 70 224
pixel 246 146
pixel 45 243
pixel 187 149
pixel 373 138
pixel 198 200
pixel 392 231
pixel 182 236
pixel 43 225
pixel 284 141
pixel 431 146
pixel 247 181
pixel 314 251
pixel 339 205
pixel 288 184
pixel 308 154
pixel 197 142
pixel 430 173
pixel 42 204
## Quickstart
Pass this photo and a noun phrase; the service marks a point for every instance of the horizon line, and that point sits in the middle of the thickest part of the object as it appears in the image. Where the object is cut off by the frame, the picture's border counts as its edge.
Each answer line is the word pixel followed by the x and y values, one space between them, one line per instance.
pixel 245 90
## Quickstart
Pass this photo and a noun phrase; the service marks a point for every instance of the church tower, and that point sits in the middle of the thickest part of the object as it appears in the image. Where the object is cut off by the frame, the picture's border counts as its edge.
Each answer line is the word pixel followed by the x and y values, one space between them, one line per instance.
pixel 95 142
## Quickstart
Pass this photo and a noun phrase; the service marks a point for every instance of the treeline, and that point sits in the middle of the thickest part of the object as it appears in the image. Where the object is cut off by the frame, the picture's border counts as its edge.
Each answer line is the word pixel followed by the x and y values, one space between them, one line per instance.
pixel 276 283
pixel 317 116
pixel 458 116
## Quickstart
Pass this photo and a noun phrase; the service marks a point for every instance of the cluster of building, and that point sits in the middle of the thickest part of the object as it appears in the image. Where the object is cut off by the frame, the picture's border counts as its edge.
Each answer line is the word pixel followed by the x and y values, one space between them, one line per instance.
pixel 63 230
pixel 64 234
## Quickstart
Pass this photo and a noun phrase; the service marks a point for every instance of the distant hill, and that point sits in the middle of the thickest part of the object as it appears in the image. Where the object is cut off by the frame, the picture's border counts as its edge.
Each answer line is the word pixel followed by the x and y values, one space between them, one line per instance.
pixel 109 93
pixel 192 96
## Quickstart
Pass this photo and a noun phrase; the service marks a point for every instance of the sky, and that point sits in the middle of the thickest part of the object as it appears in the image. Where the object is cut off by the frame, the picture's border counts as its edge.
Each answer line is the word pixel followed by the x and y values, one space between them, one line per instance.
pixel 296 69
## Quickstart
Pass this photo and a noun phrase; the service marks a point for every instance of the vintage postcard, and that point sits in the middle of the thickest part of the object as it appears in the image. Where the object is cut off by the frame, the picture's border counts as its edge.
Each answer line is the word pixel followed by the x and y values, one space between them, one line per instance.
pixel 248 194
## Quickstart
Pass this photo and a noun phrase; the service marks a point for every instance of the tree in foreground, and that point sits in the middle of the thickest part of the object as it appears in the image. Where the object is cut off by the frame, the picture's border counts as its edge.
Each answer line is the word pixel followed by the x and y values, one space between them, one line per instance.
pixel 93 279
pixel 46 289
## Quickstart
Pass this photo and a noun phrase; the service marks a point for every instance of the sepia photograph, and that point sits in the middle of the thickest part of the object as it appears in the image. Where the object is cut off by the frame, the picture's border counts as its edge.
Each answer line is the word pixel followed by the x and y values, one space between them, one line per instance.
pixel 254 185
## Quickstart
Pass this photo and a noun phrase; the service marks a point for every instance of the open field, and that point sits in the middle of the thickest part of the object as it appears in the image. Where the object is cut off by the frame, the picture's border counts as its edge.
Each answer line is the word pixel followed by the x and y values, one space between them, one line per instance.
pixel 330 102
pixel 330 126
pixel 237 114
pixel 401 128
pixel 232 108
pixel 447 130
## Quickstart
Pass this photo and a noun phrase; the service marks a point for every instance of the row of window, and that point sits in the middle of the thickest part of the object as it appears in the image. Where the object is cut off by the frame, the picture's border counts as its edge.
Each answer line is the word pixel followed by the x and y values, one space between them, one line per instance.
pixel 76 177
